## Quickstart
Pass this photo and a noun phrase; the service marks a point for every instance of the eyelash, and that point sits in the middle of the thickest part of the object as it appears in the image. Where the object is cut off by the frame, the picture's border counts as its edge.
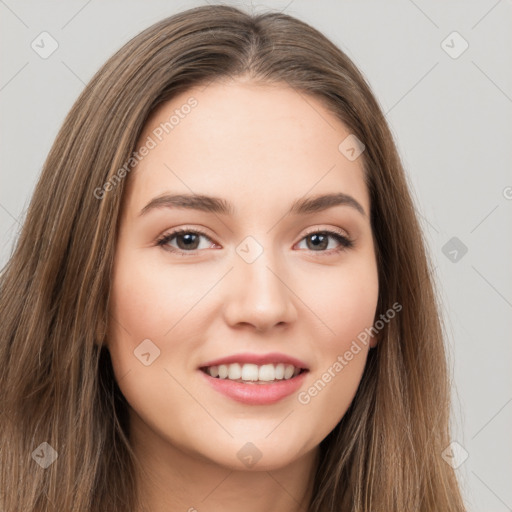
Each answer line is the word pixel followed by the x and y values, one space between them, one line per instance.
pixel 345 242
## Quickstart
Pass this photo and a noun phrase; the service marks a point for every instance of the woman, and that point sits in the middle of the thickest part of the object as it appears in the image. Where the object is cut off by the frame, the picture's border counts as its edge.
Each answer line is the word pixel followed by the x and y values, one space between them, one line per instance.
pixel 220 297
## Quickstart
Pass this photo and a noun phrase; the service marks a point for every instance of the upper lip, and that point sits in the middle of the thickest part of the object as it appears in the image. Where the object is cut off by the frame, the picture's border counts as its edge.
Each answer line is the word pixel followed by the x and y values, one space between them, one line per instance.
pixel 258 359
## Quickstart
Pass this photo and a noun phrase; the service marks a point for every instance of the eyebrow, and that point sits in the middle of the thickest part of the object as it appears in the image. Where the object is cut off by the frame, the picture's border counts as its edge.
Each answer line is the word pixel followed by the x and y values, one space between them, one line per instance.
pixel 220 206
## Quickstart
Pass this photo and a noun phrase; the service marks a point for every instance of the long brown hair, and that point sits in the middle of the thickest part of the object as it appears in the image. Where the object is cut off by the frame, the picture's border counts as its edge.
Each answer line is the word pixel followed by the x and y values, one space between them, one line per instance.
pixel 57 384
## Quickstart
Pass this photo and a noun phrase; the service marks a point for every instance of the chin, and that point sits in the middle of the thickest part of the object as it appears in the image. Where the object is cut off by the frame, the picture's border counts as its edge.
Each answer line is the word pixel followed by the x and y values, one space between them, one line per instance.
pixel 254 455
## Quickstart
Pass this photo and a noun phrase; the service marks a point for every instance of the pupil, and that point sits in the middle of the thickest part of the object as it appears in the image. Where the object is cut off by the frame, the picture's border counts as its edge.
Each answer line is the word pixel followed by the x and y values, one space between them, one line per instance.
pixel 318 243
pixel 189 240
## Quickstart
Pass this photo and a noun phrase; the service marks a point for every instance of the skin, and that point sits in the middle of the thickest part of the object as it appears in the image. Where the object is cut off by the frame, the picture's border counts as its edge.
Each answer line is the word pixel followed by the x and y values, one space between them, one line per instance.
pixel 252 145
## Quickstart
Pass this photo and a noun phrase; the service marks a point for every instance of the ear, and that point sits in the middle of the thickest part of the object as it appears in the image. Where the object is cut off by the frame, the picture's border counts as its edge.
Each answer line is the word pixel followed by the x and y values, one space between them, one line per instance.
pixel 374 341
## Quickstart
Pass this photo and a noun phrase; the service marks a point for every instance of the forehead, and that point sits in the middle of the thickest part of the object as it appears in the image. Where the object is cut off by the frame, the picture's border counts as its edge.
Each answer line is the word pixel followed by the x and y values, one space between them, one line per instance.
pixel 245 142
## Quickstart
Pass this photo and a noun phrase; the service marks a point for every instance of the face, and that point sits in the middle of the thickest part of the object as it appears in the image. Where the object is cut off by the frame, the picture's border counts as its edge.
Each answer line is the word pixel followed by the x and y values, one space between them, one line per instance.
pixel 255 282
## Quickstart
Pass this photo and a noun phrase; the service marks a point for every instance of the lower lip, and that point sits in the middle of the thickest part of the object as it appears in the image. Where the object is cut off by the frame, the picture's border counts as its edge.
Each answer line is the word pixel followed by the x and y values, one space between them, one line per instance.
pixel 256 394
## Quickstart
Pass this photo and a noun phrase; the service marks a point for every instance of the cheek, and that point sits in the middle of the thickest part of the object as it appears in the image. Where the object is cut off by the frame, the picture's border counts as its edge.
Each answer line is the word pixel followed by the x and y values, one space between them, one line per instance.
pixel 355 308
pixel 144 306
pixel 148 298
pixel 156 302
pixel 135 312
pixel 346 302
pixel 348 310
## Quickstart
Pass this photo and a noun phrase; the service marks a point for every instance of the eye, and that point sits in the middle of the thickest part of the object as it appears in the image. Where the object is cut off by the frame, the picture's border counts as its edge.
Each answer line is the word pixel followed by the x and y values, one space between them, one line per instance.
pixel 188 240
pixel 319 241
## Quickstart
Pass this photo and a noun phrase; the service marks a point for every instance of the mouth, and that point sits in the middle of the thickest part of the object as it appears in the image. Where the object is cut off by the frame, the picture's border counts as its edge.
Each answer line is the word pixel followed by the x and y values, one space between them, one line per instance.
pixel 255 379
pixel 249 373
pixel 255 384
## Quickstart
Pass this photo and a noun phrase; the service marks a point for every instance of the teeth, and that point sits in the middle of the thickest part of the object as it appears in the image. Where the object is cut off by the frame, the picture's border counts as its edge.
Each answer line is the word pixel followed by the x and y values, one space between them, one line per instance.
pixel 223 371
pixel 253 372
pixel 234 371
pixel 249 372
pixel 267 373
pixel 288 371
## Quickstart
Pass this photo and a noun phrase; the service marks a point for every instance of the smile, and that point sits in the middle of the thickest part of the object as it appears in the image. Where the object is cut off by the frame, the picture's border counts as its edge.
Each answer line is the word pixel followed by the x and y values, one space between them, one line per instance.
pixel 252 373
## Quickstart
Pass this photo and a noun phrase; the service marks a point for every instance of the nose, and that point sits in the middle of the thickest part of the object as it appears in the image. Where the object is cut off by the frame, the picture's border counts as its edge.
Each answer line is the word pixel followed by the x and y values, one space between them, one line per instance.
pixel 259 295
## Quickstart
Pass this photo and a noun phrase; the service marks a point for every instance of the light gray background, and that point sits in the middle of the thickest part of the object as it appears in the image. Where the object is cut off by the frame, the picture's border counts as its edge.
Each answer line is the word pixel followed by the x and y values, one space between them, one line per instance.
pixel 451 119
